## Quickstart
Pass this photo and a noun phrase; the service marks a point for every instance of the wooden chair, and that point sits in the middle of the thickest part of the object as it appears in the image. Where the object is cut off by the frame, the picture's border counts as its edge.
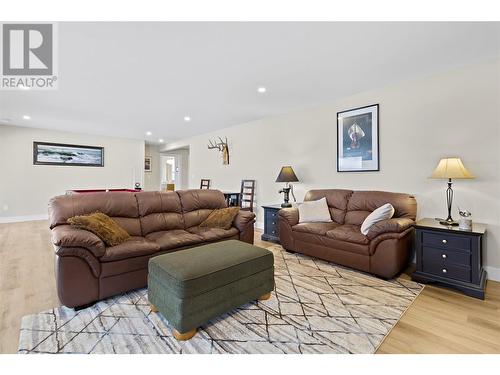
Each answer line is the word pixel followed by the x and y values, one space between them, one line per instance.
pixel 205 183
pixel 247 195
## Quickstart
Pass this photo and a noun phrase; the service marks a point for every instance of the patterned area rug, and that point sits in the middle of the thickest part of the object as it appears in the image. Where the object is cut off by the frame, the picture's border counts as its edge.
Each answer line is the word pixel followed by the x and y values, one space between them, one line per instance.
pixel 317 307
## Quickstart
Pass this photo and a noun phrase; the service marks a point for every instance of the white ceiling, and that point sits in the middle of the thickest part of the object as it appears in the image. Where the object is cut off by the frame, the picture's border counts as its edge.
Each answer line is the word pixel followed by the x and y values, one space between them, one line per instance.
pixel 123 79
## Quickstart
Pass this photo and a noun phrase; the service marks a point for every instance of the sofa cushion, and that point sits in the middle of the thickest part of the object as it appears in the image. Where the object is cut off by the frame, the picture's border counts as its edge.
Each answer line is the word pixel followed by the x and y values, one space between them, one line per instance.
pixel 134 247
pixel 171 239
pixel 213 234
pixel 113 204
pixel 328 243
pixel 335 198
pixel 315 228
pixel 362 203
pixel 349 233
pixel 159 211
pixel 197 205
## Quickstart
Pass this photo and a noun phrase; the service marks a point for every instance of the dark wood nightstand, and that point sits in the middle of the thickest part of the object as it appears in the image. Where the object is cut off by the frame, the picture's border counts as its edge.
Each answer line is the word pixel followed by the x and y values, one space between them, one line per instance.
pixel 271 228
pixel 450 256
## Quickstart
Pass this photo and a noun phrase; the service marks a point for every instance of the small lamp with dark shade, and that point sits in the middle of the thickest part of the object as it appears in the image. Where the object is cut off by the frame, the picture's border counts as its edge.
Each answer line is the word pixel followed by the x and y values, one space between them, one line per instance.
pixel 450 168
pixel 286 175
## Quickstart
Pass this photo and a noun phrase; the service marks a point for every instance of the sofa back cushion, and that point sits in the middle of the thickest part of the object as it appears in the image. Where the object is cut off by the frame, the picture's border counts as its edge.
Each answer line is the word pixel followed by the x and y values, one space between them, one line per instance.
pixel 159 211
pixel 198 204
pixel 335 198
pixel 363 203
pixel 120 206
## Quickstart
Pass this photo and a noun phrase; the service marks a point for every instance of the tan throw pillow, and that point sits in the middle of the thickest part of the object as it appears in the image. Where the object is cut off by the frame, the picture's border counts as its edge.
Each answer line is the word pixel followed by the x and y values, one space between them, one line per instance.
pixel 102 226
pixel 221 218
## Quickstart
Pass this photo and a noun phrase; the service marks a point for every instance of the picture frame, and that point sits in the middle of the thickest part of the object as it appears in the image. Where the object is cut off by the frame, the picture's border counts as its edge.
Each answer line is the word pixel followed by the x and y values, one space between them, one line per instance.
pixel 48 153
pixel 148 164
pixel 358 139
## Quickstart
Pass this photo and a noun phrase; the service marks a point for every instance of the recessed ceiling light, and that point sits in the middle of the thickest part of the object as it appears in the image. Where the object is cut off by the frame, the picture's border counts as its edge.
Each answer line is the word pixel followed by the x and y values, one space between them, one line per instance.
pixel 261 90
pixel 160 140
pixel 148 133
pixel 26 117
pixel 187 118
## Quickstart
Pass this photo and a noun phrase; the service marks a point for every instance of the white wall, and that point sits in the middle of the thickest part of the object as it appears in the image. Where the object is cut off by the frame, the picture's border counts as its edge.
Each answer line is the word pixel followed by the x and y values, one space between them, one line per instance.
pixel 152 179
pixel 455 113
pixel 26 188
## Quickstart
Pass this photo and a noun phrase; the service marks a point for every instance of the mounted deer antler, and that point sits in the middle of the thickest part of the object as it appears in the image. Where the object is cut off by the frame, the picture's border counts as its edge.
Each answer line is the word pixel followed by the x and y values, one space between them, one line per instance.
pixel 222 147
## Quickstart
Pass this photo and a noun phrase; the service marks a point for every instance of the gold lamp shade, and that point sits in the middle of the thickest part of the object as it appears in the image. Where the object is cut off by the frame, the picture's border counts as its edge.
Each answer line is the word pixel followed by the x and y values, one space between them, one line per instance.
pixel 451 168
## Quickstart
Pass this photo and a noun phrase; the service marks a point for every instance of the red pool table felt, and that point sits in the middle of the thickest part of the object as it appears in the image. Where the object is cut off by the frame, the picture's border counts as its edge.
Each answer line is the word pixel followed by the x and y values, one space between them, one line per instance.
pixel 102 190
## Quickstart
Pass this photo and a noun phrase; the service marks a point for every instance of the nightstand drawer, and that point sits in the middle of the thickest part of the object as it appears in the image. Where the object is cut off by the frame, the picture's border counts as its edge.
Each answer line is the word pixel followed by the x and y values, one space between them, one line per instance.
pixel 446 241
pixel 444 256
pixel 271 229
pixel 272 216
pixel 448 271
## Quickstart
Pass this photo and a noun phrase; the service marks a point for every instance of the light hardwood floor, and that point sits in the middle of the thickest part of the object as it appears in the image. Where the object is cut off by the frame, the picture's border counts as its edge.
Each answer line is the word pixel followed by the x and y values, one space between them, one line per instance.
pixel 439 321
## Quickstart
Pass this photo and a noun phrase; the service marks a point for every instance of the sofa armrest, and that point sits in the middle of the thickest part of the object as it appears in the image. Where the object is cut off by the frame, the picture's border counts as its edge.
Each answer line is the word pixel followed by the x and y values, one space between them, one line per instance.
pixel 243 219
pixel 85 254
pixel 68 236
pixel 244 223
pixel 291 215
pixel 394 225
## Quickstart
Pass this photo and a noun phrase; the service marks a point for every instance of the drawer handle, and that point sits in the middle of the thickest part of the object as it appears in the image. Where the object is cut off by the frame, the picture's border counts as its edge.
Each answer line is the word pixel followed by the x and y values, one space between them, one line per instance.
pixel 444 270
pixel 274 214
pixel 444 256
pixel 444 241
pixel 274 223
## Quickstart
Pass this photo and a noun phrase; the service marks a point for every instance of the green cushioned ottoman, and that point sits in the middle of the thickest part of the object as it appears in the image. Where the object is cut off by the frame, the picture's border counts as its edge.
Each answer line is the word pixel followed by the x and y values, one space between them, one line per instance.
pixel 190 287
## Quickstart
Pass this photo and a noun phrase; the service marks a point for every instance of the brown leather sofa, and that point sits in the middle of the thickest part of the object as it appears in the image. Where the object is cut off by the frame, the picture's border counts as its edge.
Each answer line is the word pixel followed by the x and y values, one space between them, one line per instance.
pixel 384 251
pixel 158 222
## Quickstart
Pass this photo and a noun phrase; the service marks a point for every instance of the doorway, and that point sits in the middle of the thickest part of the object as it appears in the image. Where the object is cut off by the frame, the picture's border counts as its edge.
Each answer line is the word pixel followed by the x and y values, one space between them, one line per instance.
pixel 175 169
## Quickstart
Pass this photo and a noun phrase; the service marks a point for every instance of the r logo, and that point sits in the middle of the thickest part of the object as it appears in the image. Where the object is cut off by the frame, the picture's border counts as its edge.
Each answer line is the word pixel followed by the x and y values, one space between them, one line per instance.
pixel 27 49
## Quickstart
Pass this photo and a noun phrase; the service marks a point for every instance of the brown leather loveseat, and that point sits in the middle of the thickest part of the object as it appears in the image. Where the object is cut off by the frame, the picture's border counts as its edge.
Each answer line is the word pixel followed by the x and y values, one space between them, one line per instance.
pixel 384 251
pixel 158 222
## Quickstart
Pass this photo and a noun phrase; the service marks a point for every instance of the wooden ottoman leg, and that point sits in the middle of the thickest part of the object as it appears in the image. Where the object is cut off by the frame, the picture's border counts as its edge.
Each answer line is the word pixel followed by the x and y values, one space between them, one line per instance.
pixel 153 308
pixel 264 296
pixel 183 336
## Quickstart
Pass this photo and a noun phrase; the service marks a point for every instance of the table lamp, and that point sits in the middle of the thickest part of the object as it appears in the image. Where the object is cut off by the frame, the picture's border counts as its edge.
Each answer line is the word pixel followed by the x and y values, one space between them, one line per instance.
pixel 450 168
pixel 286 175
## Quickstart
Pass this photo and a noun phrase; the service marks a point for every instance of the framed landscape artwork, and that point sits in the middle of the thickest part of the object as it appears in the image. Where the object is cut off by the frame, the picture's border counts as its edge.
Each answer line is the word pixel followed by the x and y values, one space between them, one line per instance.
pixel 45 153
pixel 357 140
pixel 147 164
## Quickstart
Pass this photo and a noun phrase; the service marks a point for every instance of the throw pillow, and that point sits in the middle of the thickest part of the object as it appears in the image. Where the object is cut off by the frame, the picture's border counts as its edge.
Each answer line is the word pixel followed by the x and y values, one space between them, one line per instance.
pixel 384 212
pixel 221 218
pixel 314 212
pixel 102 226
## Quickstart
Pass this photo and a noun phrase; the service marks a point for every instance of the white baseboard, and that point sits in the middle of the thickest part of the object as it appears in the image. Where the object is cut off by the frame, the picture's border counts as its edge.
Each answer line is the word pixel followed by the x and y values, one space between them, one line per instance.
pixel 493 273
pixel 18 219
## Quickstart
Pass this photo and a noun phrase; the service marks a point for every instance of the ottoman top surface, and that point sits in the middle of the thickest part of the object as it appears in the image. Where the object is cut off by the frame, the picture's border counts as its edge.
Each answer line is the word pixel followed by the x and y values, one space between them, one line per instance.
pixel 194 271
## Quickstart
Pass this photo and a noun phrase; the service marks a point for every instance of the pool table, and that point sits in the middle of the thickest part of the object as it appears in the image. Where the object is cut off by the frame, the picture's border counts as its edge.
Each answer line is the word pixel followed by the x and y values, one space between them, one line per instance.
pixel 84 191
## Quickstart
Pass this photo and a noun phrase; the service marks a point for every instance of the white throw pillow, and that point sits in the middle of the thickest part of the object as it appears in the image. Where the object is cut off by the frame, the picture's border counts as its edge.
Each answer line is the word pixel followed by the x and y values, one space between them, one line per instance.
pixel 384 212
pixel 314 212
